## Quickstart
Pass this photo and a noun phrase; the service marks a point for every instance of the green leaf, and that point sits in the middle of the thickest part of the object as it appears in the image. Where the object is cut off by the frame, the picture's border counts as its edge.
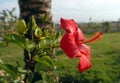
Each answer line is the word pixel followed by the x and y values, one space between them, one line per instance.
pixel 42 38
pixel 21 27
pixel 45 18
pixel 57 35
pixel 16 39
pixel 29 46
pixel 32 24
pixel 9 69
pixel 56 45
pixel 20 69
pixel 45 43
pixel 46 60
pixel 38 32
pixel 1 61
pixel 57 40
pixel 42 43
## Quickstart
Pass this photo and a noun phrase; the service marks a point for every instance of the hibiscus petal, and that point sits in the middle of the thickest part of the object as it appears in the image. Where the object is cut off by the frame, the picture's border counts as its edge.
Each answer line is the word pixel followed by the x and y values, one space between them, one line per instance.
pixel 84 64
pixel 69 25
pixel 68 45
pixel 84 50
pixel 79 35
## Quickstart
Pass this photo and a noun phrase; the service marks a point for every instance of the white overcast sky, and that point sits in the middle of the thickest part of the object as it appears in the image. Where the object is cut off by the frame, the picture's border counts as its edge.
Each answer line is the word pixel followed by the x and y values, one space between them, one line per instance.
pixel 80 10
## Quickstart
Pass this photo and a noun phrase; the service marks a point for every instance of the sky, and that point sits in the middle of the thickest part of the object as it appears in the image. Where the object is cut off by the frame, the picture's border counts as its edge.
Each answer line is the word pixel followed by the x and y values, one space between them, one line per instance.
pixel 80 10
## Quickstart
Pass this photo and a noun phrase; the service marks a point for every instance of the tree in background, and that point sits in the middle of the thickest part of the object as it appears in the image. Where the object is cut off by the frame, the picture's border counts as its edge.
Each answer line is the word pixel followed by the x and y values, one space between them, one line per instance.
pixel 8 21
pixel 106 26
pixel 7 17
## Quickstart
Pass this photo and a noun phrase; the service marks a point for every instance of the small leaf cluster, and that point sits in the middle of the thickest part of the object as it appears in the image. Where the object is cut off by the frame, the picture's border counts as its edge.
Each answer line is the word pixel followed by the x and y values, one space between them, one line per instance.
pixel 39 47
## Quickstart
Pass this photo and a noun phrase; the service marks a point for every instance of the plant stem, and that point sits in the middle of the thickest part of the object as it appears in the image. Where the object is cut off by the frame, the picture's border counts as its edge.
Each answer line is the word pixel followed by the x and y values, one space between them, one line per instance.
pixel 29 65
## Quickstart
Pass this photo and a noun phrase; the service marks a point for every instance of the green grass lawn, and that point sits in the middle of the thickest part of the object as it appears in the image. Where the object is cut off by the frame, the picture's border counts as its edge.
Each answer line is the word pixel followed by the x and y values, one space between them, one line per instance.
pixel 105 59
pixel 11 54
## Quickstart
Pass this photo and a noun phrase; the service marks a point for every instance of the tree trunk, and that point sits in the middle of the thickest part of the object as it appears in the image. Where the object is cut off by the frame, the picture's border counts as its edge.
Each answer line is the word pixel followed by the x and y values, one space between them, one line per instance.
pixel 37 8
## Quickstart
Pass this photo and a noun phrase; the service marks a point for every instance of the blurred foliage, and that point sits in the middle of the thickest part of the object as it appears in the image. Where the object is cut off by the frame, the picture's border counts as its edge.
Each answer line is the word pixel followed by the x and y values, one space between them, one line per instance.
pixel 8 21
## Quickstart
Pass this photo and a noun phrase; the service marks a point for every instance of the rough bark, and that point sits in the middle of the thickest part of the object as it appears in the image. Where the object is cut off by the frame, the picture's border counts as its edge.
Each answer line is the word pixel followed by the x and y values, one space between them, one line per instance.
pixel 37 8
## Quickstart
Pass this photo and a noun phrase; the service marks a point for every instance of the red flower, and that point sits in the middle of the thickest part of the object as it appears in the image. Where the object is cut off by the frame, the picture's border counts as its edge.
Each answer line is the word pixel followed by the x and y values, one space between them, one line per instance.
pixel 73 44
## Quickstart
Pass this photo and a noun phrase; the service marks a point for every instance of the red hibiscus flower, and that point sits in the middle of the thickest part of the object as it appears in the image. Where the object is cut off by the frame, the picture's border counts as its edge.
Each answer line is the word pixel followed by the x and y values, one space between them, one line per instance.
pixel 74 45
